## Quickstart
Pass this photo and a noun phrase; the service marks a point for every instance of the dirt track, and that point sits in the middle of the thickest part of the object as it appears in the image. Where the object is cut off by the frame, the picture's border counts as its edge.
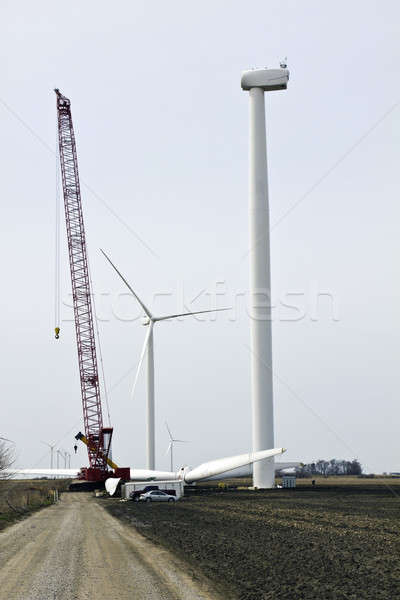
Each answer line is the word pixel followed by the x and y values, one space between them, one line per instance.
pixel 75 550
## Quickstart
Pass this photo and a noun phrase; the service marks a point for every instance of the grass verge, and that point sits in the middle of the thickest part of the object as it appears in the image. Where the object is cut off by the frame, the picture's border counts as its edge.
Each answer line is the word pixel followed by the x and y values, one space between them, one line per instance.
pixel 20 498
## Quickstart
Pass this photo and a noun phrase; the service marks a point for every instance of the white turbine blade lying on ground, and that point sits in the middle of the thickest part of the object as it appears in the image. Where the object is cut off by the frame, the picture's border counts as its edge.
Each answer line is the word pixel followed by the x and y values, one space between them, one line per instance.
pixel 219 466
pixel 43 472
pixel 197 312
pixel 247 470
pixel 111 485
pixel 142 304
pixel 150 475
pixel 146 341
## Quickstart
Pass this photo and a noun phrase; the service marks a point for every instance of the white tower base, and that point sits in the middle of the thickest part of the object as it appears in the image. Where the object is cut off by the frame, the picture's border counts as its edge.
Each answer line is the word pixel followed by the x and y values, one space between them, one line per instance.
pixel 257 82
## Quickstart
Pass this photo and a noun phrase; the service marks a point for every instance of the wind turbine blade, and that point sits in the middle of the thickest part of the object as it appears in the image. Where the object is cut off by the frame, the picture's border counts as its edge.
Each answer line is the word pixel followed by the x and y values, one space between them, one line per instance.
pixel 182 441
pixel 146 310
pixel 169 432
pixel 169 448
pixel 146 341
pixel 51 472
pixel 111 484
pixel 219 466
pixel 150 475
pixel 197 312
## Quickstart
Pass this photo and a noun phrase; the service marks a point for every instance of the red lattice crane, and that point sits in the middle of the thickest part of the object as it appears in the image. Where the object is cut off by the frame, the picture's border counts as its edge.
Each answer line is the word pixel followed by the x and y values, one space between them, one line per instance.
pixel 97 438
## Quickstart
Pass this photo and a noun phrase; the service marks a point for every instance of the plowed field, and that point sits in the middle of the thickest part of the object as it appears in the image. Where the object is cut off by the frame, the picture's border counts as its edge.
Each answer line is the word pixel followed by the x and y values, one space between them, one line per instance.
pixel 339 542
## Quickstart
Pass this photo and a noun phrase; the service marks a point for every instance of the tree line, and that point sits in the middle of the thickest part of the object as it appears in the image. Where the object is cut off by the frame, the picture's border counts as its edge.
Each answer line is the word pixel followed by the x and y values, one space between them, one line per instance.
pixel 330 467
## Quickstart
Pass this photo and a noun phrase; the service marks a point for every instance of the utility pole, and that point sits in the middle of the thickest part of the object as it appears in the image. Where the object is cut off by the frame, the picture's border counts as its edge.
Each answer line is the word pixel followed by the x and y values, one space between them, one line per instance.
pixel 257 82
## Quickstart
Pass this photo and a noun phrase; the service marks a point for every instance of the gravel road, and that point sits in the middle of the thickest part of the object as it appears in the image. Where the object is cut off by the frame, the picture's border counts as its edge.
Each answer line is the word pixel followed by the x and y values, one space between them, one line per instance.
pixel 77 551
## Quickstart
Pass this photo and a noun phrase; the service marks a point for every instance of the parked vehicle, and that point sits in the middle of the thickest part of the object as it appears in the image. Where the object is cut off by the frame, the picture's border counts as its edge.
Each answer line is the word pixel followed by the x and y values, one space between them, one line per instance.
pixel 135 494
pixel 132 490
pixel 156 496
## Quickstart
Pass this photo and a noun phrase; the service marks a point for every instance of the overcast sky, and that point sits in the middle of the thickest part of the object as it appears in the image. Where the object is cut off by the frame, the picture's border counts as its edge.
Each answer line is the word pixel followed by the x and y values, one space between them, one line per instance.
pixel 162 137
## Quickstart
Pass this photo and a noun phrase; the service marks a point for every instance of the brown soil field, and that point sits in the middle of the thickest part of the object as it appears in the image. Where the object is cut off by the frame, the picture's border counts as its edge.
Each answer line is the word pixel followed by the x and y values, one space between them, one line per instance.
pixel 337 541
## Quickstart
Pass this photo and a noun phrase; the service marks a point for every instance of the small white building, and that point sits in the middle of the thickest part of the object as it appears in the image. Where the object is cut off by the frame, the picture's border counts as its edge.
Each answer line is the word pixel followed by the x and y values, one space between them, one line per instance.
pixel 289 481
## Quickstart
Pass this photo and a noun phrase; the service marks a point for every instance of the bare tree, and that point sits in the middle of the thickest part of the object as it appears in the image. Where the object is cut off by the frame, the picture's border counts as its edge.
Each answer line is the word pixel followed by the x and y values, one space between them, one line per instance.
pixel 6 458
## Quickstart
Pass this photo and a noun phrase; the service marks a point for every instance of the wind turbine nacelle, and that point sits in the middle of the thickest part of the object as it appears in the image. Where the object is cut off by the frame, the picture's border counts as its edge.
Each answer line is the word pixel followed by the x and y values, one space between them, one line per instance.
pixel 266 79
pixel 145 320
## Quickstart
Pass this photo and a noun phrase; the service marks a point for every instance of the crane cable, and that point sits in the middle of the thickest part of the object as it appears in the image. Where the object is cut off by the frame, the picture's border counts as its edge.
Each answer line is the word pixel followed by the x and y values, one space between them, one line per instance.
pixel 99 346
pixel 57 268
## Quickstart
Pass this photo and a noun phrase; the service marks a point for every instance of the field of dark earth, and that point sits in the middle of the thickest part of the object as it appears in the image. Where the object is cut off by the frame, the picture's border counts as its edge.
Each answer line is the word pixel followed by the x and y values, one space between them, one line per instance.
pixel 337 541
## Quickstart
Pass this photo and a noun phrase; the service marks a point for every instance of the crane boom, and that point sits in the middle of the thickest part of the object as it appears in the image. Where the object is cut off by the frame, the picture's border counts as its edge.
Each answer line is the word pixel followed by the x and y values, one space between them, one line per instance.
pixel 98 442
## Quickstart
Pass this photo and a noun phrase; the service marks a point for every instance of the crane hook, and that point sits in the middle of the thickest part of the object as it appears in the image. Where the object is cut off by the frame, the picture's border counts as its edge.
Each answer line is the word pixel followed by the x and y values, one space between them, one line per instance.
pixel 57 332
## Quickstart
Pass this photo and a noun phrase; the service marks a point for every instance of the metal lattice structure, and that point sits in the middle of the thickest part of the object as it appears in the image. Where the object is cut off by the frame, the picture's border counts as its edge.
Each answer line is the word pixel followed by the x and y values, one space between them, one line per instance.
pixel 85 337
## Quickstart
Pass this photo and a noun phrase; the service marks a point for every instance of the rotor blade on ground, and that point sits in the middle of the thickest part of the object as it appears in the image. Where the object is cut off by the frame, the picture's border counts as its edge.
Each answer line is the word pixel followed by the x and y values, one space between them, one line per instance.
pixel 197 312
pixel 219 466
pixel 146 310
pixel 42 472
pixel 111 484
pixel 150 475
pixel 146 341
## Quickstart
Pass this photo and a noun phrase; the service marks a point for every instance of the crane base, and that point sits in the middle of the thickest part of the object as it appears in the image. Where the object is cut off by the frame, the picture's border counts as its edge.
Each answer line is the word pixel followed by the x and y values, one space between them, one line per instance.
pixel 86 486
pixel 123 472
pixel 93 474
pixel 98 475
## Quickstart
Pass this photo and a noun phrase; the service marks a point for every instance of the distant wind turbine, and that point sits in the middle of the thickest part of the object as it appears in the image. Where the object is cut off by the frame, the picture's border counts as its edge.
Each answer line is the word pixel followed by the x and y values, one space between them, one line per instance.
pixel 59 453
pixel 51 446
pixel 67 458
pixel 148 345
pixel 170 448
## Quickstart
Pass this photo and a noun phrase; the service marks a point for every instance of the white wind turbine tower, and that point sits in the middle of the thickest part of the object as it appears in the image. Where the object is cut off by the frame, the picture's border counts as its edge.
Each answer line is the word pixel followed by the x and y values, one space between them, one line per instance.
pixel 257 82
pixel 170 448
pixel 149 321
pixel 51 446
